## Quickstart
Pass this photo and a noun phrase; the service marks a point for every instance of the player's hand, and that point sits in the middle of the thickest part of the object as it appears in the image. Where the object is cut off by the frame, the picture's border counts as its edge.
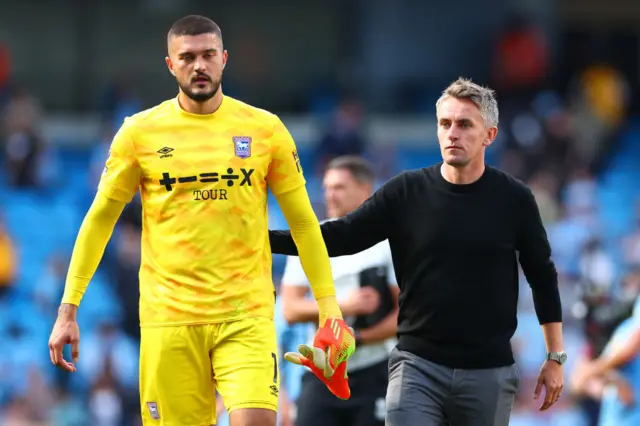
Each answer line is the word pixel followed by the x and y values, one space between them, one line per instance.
pixel 333 345
pixel 65 332
pixel 551 377
pixel 314 359
pixel 361 301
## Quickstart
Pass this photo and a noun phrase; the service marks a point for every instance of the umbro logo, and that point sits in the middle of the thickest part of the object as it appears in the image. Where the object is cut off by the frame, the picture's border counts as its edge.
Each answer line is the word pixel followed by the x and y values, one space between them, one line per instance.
pixel 165 152
pixel 274 390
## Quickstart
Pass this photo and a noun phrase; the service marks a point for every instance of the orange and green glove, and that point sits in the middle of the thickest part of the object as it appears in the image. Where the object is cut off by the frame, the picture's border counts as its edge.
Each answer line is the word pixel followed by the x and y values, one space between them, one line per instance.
pixel 333 345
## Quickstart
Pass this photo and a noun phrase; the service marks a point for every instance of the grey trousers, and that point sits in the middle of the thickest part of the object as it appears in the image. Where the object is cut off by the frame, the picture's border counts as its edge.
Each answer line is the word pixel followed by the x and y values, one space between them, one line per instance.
pixel 422 393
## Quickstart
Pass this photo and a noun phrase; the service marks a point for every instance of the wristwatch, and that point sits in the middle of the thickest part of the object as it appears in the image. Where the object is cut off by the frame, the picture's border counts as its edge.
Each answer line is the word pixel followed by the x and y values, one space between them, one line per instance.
pixel 559 357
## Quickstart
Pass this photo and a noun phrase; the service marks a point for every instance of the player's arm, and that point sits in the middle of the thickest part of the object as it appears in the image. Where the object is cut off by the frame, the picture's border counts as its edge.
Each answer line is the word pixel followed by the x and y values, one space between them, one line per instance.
pixel 118 185
pixel 535 259
pixel 287 183
pixel 92 239
pixel 368 225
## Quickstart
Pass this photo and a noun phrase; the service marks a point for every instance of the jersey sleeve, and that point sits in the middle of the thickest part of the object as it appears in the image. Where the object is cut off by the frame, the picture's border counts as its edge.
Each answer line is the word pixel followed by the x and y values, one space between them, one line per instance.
pixel 285 171
pixel 294 274
pixel 121 176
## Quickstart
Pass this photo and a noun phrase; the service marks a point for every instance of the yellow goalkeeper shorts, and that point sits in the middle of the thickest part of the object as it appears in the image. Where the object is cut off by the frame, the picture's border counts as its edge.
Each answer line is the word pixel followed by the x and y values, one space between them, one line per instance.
pixel 182 366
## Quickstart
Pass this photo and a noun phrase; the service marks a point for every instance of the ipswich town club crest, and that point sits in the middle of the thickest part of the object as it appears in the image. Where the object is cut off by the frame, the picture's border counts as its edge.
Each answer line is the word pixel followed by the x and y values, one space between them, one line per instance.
pixel 242 146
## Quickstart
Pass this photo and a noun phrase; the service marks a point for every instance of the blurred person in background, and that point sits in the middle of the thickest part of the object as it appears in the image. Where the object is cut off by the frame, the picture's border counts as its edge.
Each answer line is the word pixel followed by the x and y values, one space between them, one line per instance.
pixel 8 261
pixel 631 241
pixel 367 292
pixel 614 376
pixel 21 122
pixel 5 73
pixel 344 135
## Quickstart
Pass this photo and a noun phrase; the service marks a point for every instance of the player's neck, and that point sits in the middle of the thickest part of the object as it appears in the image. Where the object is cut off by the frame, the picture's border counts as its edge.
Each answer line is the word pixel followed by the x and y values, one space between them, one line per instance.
pixel 193 107
pixel 463 175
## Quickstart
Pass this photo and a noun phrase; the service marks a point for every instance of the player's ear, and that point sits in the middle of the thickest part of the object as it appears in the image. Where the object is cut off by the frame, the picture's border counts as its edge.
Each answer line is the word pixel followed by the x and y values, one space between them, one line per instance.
pixel 225 58
pixel 170 65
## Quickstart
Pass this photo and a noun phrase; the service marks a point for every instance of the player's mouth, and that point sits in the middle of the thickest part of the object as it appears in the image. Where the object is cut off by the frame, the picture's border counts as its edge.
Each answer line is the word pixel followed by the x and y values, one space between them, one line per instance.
pixel 200 80
pixel 453 147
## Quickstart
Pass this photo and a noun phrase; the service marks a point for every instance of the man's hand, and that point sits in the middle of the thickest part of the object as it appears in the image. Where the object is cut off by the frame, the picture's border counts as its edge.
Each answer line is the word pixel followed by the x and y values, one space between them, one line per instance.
pixel 362 301
pixel 552 378
pixel 65 332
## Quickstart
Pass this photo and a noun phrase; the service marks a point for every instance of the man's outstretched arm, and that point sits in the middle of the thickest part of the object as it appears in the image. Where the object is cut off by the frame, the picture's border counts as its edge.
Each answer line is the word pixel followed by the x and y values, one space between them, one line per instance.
pixel 368 225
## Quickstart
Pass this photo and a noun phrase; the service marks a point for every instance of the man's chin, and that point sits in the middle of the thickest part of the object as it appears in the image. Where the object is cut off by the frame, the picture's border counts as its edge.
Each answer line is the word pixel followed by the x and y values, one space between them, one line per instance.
pixel 455 161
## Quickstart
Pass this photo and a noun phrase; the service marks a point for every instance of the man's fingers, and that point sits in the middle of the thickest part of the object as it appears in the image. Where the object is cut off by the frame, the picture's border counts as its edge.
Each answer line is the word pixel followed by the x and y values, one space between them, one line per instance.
pixel 547 400
pixel 75 351
pixel 52 354
pixel 58 358
pixel 552 395
pixel 536 392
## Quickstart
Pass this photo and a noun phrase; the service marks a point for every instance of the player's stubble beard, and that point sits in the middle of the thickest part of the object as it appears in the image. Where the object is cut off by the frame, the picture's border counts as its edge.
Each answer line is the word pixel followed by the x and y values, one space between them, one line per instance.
pixel 201 97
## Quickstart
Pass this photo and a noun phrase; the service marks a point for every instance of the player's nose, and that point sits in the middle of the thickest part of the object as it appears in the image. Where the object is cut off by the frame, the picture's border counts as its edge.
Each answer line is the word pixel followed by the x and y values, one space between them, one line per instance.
pixel 200 66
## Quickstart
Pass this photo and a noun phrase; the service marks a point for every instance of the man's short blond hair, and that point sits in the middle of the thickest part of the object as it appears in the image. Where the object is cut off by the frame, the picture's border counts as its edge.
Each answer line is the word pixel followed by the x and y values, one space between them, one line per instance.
pixel 483 97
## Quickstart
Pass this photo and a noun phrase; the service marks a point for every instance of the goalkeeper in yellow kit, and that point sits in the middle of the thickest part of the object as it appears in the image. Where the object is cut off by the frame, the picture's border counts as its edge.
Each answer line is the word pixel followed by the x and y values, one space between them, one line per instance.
pixel 203 163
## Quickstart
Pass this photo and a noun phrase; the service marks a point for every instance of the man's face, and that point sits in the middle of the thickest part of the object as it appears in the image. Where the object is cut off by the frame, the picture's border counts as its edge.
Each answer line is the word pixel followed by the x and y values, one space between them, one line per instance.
pixel 462 134
pixel 343 193
pixel 197 63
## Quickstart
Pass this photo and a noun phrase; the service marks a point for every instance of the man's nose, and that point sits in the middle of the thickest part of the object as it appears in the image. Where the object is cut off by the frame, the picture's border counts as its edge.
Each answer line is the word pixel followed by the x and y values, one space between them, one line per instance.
pixel 200 66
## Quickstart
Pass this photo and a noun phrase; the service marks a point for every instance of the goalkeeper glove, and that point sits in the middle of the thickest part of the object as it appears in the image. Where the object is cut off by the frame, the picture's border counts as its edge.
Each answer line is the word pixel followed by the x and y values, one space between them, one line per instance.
pixel 333 345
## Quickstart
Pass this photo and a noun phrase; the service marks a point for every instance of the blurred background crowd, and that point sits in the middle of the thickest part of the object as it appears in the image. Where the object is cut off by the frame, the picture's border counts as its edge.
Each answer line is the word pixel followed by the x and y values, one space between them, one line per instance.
pixel 347 77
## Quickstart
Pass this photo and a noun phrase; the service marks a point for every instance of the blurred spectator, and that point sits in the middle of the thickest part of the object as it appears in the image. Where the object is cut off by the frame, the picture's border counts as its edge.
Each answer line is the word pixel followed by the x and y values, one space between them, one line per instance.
pixel 108 355
pixel 596 267
pixel 49 287
pixel 21 152
pixel 520 61
pixel 544 186
pixel 5 73
pixel 23 113
pixel 105 402
pixel 631 242
pixel 119 101
pixel 344 135
pixel 68 410
pixel 127 266
pixel 8 261
pixel 600 98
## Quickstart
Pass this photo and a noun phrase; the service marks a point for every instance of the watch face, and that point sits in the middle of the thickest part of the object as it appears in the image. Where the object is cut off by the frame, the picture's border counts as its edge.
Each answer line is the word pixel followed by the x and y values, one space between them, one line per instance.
pixel 563 358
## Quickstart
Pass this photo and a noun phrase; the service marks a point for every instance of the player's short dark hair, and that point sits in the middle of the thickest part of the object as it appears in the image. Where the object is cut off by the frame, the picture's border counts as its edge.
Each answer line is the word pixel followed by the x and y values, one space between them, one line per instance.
pixel 360 168
pixel 192 25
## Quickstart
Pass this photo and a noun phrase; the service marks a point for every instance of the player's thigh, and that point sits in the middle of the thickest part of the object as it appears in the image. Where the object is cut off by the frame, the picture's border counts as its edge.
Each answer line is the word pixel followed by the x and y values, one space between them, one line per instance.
pixel 176 384
pixel 245 365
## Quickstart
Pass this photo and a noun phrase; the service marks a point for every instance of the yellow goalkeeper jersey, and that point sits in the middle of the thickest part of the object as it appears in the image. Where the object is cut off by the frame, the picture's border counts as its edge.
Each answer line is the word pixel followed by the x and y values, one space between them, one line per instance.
pixel 203 180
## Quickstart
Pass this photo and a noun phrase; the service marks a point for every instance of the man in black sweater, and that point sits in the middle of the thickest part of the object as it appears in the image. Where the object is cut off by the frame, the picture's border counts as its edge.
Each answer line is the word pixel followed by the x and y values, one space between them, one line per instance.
pixel 455 230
